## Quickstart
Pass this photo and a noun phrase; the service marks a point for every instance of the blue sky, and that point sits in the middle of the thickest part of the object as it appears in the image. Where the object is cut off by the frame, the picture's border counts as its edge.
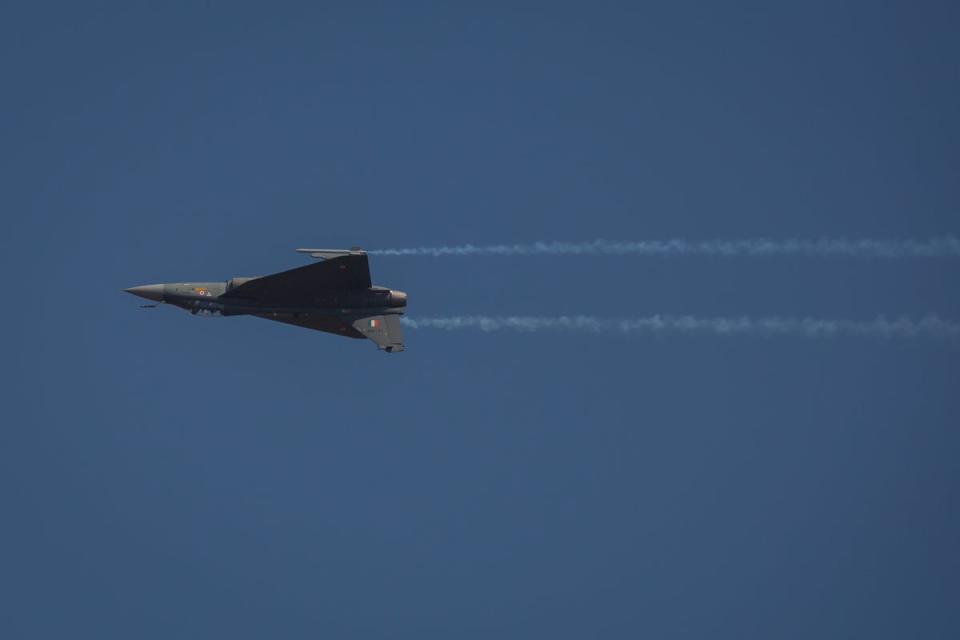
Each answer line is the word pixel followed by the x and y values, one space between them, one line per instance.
pixel 168 476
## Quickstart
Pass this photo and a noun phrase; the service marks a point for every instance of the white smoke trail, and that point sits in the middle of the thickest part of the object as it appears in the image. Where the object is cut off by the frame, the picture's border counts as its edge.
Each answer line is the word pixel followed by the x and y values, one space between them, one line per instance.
pixel 942 247
pixel 927 327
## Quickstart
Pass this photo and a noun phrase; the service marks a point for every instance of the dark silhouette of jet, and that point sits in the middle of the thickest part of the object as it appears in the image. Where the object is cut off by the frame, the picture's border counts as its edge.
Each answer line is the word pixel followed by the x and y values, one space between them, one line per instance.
pixel 334 296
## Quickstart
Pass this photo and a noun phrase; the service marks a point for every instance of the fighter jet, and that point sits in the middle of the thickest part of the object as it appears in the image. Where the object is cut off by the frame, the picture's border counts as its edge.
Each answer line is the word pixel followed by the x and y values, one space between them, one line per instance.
pixel 334 296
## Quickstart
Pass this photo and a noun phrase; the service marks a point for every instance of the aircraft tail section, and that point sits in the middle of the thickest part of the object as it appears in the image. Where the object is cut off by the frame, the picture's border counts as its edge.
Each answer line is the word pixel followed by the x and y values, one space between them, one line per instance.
pixel 385 331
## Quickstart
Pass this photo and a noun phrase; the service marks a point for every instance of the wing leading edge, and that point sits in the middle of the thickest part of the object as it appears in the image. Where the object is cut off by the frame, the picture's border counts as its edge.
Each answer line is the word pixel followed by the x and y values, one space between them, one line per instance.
pixel 327 324
pixel 343 273
pixel 384 331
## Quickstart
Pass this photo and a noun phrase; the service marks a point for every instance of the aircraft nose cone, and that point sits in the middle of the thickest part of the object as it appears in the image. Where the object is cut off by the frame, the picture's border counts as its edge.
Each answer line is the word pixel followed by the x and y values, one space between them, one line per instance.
pixel 149 291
